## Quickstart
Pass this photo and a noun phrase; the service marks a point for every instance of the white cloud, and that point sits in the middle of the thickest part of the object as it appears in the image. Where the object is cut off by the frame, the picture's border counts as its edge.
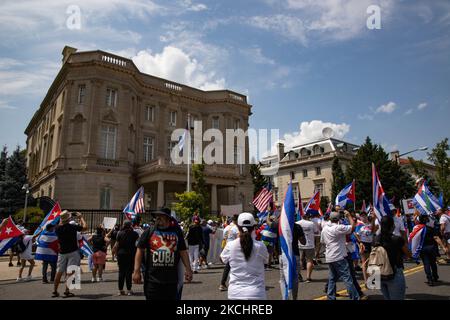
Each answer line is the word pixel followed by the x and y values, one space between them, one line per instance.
pixel 365 117
pixel 422 106
pixel 192 6
pixel 255 54
pixel 312 131
pixel 288 26
pixel 176 65
pixel 5 105
pixel 409 111
pixel 387 108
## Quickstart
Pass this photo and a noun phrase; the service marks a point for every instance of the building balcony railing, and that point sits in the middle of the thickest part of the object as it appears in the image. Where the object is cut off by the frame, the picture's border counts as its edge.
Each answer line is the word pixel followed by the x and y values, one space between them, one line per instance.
pixel 108 162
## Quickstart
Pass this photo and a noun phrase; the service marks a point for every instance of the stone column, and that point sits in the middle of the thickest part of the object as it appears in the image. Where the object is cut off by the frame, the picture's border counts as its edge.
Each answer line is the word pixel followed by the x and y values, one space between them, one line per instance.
pixel 214 198
pixel 160 195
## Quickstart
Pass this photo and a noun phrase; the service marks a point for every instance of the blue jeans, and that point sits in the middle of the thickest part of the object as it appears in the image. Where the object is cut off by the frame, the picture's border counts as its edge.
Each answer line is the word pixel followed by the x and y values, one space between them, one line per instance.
pixel 394 289
pixel 340 269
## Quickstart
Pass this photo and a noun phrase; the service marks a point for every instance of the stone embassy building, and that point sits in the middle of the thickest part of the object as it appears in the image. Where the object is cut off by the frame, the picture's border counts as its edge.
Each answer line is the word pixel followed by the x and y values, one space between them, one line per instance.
pixel 104 129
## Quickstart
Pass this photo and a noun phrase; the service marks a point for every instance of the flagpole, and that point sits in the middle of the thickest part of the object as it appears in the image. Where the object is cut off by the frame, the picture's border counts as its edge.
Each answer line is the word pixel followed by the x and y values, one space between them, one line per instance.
pixel 188 154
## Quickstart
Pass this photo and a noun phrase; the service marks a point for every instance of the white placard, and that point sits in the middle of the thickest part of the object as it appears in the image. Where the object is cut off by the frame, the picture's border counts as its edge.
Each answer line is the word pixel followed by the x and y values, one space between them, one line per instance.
pixel 408 206
pixel 109 223
pixel 230 211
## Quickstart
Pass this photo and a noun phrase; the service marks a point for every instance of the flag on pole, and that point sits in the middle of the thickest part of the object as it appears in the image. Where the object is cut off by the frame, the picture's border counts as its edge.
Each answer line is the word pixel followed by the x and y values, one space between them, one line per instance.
pixel 286 232
pixel 136 205
pixel 183 137
pixel 300 210
pixel 347 195
pixel 9 230
pixel 380 201
pixel 52 217
pixel 313 206
pixel 263 198
pixel 424 201
pixel 416 239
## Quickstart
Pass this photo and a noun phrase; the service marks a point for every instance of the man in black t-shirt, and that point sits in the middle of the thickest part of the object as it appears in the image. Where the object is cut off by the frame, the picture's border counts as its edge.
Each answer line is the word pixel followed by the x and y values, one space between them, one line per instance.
pixel 68 247
pixel 163 246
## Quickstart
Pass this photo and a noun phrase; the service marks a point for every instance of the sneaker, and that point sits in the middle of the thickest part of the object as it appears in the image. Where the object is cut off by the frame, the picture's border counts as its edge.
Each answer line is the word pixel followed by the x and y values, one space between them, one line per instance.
pixel 308 280
pixel 19 279
pixel 430 283
pixel 28 278
pixel 121 293
pixel 99 279
pixel 222 287
pixel 93 280
pixel 10 264
pixel 129 293
pixel 209 263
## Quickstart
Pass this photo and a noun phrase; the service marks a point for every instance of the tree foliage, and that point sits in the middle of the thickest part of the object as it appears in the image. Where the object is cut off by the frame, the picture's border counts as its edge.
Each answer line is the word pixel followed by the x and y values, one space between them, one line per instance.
pixel 199 186
pixel 439 157
pixel 339 181
pixel 418 167
pixel 259 180
pixel 396 182
pixel 188 203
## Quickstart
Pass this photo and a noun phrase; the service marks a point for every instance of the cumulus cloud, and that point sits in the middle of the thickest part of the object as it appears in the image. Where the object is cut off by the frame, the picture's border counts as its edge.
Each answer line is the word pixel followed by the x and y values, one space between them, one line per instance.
pixel 312 131
pixel 422 106
pixel 176 65
pixel 386 108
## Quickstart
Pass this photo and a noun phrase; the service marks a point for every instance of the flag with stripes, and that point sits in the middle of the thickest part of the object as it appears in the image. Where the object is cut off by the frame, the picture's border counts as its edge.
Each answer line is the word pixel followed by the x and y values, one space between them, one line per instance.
pixel 380 201
pixel 52 217
pixel 416 239
pixel 347 195
pixel 47 247
pixel 183 137
pixel 313 206
pixel 136 205
pixel 263 198
pixel 424 201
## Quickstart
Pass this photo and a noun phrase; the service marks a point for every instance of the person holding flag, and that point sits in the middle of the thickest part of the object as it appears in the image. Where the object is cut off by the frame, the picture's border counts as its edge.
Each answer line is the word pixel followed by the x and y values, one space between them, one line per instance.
pixel 47 251
pixel 444 228
pixel 347 195
pixel 289 235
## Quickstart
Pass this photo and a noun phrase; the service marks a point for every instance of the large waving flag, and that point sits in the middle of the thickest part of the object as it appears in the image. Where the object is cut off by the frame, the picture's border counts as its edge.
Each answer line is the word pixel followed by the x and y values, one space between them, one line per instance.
pixel 9 234
pixel 380 201
pixel 136 205
pixel 85 247
pixel 416 239
pixel 263 198
pixel 10 230
pixel 424 201
pixel 347 195
pixel 286 233
pixel 47 247
pixel 262 216
pixel 313 206
pixel 52 217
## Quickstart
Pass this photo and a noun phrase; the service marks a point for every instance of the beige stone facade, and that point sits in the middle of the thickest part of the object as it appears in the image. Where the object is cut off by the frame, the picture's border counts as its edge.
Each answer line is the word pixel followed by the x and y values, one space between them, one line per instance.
pixel 309 166
pixel 104 128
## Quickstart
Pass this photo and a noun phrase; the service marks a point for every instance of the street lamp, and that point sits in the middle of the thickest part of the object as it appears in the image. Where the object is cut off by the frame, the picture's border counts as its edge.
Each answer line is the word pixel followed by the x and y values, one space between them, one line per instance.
pixel 27 191
pixel 397 157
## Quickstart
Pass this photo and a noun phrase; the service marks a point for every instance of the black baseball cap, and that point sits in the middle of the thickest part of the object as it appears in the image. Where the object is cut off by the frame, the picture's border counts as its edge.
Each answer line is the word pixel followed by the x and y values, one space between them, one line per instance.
pixel 162 211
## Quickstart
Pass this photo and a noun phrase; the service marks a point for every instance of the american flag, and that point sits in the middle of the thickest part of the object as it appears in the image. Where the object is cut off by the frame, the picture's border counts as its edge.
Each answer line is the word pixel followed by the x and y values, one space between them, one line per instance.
pixel 263 198
pixel 136 205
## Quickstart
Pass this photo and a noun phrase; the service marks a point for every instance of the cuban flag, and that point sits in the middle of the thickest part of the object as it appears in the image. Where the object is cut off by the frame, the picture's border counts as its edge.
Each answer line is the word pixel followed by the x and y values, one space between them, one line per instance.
pixel 380 201
pixel 6 244
pixel 9 234
pixel 416 239
pixel 347 195
pixel 262 216
pixel 52 217
pixel 47 247
pixel 286 233
pixel 136 205
pixel 84 246
pixel 313 206
pixel 424 201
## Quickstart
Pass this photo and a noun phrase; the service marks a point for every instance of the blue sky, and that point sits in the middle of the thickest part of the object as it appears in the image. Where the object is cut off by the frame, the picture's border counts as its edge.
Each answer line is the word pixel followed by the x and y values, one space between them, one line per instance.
pixel 304 64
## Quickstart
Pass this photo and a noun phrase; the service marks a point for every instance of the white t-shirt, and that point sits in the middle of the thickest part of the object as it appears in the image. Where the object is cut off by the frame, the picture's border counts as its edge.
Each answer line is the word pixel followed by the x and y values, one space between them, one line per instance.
pixel 246 276
pixel 317 226
pixel 333 236
pixel 445 220
pixel 231 232
pixel 28 253
pixel 308 229
pixel 399 226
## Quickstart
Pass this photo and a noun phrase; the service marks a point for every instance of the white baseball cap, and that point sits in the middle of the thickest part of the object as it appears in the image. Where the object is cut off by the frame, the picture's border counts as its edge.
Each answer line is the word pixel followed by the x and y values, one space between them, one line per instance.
pixel 246 219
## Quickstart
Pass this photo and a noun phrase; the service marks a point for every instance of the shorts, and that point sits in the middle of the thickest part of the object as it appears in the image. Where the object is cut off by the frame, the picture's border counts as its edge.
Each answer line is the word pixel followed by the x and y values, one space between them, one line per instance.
pixel 308 253
pixel 99 257
pixel 68 259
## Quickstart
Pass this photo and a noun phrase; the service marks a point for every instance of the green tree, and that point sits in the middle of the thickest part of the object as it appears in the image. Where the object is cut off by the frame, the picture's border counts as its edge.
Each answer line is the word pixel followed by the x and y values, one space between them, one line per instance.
pixel 34 215
pixel 13 197
pixel 396 182
pixel 188 203
pixel 418 167
pixel 199 186
pixel 259 181
pixel 439 157
pixel 339 181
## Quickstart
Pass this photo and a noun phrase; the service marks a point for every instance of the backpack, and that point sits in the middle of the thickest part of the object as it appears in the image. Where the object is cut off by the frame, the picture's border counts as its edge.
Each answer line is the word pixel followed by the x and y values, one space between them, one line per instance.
pixel 379 258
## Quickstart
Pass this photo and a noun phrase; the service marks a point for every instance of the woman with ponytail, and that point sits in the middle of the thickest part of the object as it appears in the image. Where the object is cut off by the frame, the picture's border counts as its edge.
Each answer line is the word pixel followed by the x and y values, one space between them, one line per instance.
pixel 246 257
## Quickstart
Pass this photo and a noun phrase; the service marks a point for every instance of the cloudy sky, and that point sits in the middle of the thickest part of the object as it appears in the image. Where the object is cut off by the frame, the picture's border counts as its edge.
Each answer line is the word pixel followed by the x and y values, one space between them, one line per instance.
pixel 304 64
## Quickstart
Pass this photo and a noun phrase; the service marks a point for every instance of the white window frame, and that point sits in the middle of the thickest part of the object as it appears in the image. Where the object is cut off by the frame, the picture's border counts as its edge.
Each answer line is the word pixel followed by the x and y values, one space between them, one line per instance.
pixel 81 93
pixel 111 97
pixel 173 118
pixel 149 148
pixel 105 194
pixel 108 139
pixel 150 113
